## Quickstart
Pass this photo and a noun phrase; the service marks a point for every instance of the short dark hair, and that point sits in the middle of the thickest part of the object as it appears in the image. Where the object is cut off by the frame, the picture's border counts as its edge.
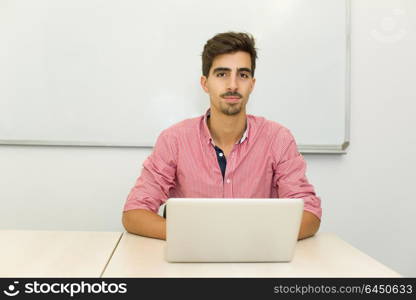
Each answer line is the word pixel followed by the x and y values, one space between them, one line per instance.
pixel 228 42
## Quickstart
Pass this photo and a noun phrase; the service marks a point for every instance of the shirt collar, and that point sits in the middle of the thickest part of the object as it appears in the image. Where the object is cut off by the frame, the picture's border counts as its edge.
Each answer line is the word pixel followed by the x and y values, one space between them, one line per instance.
pixel 208 133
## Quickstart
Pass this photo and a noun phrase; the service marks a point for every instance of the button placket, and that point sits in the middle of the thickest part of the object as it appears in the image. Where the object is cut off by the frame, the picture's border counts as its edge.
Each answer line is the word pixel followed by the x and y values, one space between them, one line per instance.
pixel 228 188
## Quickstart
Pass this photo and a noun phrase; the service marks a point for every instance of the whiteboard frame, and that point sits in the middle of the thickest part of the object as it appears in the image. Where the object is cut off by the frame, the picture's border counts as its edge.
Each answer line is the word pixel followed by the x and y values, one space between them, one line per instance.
pixel 318 149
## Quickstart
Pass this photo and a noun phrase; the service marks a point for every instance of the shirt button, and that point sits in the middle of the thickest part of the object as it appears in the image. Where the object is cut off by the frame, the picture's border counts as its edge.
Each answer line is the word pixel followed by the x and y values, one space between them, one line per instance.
pixel 221 154
pixel 228 180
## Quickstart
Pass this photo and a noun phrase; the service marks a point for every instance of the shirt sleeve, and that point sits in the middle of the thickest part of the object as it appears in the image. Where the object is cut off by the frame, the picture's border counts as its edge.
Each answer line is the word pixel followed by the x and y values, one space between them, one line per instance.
pixel 290 174
pixel 157 177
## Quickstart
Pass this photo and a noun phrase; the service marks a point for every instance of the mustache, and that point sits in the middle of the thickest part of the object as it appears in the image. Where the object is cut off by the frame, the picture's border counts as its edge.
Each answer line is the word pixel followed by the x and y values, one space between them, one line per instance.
pixel 232 94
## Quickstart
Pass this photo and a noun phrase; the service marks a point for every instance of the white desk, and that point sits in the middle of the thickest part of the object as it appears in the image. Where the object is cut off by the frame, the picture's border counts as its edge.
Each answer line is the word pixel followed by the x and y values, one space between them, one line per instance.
pixel 324 255
pixel 55 253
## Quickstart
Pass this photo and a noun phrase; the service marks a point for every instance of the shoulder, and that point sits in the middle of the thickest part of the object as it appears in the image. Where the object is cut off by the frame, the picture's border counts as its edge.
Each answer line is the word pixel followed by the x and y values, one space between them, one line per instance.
pixel 183 127
pixel 170 138
pixel 269 128
pixel 180 131
pixel 280 137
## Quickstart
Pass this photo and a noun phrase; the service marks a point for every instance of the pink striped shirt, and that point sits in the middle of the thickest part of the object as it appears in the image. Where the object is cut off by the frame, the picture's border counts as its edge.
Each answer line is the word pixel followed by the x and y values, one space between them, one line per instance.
pixel 183 164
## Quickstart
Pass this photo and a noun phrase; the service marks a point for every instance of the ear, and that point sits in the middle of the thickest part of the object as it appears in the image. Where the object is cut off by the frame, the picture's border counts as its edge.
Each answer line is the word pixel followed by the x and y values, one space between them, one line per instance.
pixel 204 80
pixel 253 83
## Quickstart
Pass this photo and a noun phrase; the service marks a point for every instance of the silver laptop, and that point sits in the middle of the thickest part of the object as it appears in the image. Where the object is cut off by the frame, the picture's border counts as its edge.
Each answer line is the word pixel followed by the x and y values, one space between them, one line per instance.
pixel 232 230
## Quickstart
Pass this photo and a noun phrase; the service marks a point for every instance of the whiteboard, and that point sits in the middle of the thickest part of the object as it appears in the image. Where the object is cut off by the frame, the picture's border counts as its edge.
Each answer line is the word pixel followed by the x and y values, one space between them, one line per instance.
pixel 116 73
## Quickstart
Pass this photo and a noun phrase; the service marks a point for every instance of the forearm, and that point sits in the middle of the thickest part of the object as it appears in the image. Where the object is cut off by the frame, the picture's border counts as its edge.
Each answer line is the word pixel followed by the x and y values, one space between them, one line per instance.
pixel 309 225
pixel 145 223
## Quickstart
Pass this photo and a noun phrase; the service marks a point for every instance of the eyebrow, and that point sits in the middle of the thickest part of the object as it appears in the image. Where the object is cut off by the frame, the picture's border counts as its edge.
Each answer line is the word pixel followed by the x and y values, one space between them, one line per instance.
pixel 219 69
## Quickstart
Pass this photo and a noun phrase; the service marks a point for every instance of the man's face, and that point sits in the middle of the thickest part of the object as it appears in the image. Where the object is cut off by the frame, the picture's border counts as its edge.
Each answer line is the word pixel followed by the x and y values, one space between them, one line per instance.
pixel 229 83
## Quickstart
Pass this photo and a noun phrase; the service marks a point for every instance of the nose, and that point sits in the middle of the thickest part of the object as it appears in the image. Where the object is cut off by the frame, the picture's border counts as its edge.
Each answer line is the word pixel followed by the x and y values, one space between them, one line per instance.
pixel 232 83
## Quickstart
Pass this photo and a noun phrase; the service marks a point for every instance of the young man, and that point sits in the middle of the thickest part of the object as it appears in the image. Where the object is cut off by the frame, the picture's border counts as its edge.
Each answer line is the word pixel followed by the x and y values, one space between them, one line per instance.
pixel 225 153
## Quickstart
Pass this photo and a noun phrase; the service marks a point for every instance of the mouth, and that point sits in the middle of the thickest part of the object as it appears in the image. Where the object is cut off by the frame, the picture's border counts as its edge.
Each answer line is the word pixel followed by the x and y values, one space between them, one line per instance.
pixel 232 99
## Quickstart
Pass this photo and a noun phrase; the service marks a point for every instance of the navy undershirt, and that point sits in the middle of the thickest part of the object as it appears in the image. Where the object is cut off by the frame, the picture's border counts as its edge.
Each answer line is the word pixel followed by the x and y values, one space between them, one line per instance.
pixel 222 161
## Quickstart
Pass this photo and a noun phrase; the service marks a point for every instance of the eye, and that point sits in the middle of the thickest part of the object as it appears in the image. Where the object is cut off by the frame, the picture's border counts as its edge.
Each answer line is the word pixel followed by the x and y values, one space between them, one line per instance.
pixel 221 74
pixel 244 75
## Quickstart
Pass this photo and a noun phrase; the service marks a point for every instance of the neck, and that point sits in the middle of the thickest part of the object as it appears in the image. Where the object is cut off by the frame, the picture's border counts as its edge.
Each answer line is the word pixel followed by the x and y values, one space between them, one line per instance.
pixel 226 130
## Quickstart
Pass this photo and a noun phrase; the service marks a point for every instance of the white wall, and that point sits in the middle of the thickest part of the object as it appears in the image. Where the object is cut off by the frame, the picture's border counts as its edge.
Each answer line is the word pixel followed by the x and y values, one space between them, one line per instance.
pixel 367 193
